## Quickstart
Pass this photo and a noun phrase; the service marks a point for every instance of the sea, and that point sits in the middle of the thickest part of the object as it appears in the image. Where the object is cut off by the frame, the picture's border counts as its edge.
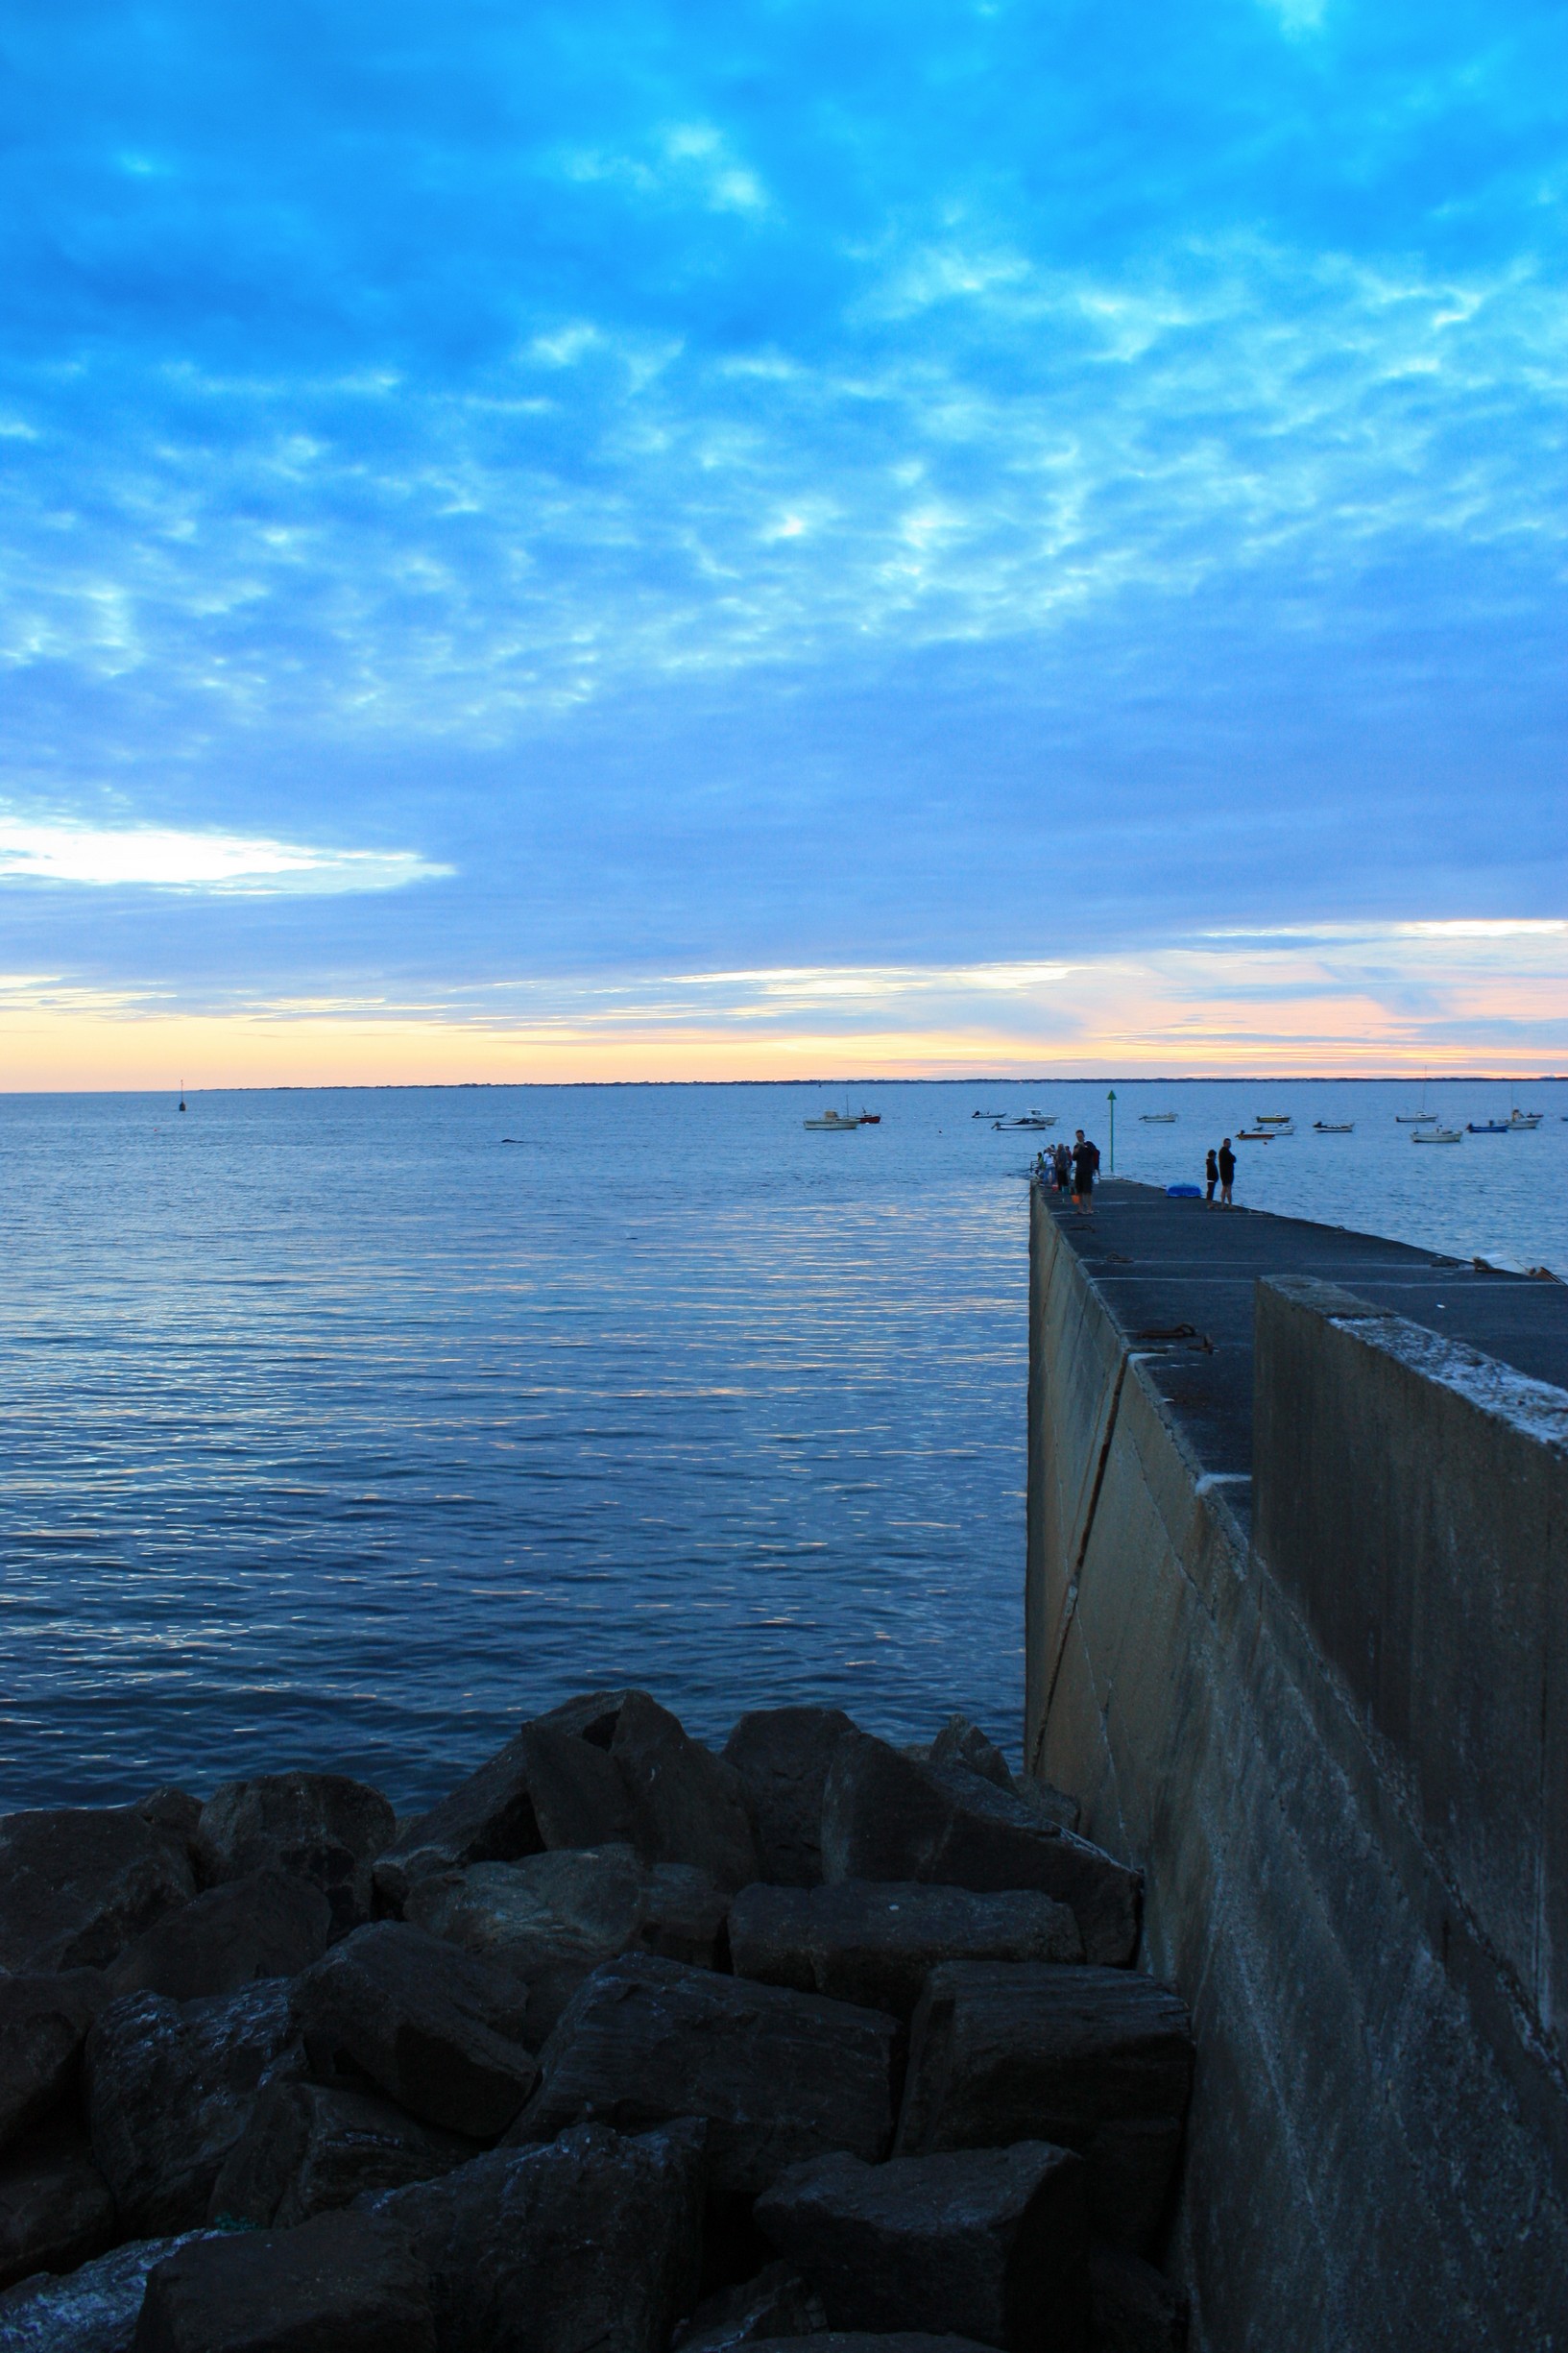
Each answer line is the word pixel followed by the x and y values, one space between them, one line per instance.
pixel 348 1428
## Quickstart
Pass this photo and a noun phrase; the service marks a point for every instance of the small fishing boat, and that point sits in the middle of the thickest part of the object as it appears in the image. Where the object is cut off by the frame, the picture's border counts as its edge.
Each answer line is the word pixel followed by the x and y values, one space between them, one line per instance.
pixel 871 1119
pixel 1158 1118
pixel 1255 1136
pixel 1530 1120
pixel 1027 1119
pixel 1273 1119
pixel 836 1123
pixel 1334 1126
pixel 1437 1135
pixel 1486 1127
pixel 991 1116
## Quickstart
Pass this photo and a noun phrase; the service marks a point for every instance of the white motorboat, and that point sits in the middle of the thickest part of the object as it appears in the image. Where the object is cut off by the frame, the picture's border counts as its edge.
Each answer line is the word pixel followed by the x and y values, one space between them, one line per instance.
pixel 836 1123
pixel 1029 1119
pixel 1334 1126
pixel 1528 1120
pixel 1158 1118
pixel 1439 1135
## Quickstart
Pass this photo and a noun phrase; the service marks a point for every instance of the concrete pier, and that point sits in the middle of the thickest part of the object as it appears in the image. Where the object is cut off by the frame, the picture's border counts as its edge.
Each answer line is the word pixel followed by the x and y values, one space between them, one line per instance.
pixel 1298 1639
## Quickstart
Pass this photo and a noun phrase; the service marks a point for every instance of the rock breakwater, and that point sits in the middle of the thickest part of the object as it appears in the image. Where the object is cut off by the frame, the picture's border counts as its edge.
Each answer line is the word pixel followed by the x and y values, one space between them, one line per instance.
pixel 624 2045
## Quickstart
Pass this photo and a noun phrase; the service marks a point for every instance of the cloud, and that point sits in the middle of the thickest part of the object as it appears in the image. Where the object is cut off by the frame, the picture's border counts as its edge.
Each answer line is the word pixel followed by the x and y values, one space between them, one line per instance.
pixel 145 856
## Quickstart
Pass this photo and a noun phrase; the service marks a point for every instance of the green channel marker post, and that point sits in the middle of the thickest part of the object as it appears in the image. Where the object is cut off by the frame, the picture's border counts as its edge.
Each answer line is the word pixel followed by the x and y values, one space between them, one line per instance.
pixel 1111 1100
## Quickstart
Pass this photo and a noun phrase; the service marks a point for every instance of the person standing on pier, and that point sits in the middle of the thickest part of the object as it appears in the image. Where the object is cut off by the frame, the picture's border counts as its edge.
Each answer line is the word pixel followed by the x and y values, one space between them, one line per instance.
pixel 1062 1162
pixel 1210 1173
pixel 1085 1162
pixel 1227 1172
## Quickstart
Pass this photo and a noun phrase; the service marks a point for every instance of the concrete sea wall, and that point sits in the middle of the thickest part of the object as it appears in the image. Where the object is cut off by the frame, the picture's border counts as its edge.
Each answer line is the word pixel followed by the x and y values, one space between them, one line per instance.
pixel 1325 1710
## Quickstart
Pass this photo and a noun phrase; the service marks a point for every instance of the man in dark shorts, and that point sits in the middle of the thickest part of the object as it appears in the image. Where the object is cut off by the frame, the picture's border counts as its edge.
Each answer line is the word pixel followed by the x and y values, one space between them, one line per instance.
pixel 1226 1161
pixel 1210 1173
pixel 1085 1162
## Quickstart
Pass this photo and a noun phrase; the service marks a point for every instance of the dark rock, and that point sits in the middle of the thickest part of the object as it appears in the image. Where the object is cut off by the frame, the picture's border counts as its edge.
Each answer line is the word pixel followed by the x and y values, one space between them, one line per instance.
pixel 43 2024
pixel 551 1919
pixel 1135 2309
pixel 170 2089
pixel 487 1819
pixel 857 2341
pixel 306 2150
pixel 1098 2060
pixel 346 2283
pixel 778 2301
pixel 171 1809
pixel 591 2242
pixel 579 1796
pixel 885 1816
pixel 592 1716
pixel 92 2311
pixel 782 1755
pixel 991 2243
pixel 873 1942
pixel 270 1925
pixel 320 1826
pixel 687 1806
pixel 778 2076
pixel 959 1742
pixel 437 2029
pixel 77 1883
pixel 56 2208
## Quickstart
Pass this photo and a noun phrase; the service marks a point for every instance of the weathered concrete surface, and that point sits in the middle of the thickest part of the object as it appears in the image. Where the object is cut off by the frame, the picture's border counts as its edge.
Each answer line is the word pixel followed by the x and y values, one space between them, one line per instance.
pixel 1338 1843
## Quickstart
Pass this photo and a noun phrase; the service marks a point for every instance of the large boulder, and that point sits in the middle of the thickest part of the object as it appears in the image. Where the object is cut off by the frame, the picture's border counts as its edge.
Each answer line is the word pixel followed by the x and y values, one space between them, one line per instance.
pixel 1096 2060
pixel 579 1793
pixel 688 1805
pixel 56 2208
pixel 780 2301
pixel 782 1755
pixel 320 1826
pixel 308 2149
pixel 1134 2308
pixel 889 1816
pixel 43 2026
pixel 991 2243
pixel 170 2088
pixel 553 1786
pixel 778 2076
pixel 873 1942
pixel 92 2309
pixel 553 1918
pixel 77 1884
pixel 270 1925
pixel 860 2340
pixel 344 2283
pixel 959 1742
pixel 437 2029
pixel 591 2242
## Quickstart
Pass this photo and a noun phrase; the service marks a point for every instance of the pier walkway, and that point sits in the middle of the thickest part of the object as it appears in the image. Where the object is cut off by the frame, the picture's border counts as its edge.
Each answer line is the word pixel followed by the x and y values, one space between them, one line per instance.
pixel 1160 1264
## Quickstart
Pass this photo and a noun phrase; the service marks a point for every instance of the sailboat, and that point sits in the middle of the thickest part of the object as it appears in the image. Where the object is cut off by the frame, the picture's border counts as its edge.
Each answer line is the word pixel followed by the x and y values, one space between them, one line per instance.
pixel 182 1094
pixel 1417 1119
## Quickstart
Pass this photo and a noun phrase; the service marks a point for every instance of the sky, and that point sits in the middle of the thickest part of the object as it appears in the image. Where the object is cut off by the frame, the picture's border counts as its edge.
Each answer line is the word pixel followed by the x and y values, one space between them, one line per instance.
pixel 776 540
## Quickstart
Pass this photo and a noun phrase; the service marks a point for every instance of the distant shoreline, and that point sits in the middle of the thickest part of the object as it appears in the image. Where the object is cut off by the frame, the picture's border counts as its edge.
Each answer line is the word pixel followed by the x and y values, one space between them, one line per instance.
pixel 1104 1078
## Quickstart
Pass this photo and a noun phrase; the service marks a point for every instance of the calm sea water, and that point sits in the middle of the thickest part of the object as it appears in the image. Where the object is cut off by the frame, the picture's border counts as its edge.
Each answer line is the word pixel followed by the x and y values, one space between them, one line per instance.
pixel 340 1429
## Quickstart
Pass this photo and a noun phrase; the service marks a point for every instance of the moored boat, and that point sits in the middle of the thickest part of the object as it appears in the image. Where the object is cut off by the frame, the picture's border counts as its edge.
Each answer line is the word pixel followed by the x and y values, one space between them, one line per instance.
pixel 1334 1126
pixel 836 1123
pixel 1437 1135
pixel 1256 1135
pixel 1486 1127
pixel 1158 1118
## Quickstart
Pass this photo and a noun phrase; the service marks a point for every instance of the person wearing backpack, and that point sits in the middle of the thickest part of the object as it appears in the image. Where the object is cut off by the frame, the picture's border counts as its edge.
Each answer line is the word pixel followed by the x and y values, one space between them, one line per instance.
pixel 1085 1168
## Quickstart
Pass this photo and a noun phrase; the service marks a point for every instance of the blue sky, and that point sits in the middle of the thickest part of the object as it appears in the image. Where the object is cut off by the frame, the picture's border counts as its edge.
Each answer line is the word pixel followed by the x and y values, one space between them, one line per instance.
pixel 671 539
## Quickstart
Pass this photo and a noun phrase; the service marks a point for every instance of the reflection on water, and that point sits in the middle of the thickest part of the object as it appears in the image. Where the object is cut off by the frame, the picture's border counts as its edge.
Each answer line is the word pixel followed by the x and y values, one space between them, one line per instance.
pixel 340 1430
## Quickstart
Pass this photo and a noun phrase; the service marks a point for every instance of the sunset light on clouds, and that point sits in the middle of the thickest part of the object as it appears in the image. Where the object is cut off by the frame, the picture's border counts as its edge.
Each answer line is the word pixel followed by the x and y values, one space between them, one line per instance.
pixel 671 542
